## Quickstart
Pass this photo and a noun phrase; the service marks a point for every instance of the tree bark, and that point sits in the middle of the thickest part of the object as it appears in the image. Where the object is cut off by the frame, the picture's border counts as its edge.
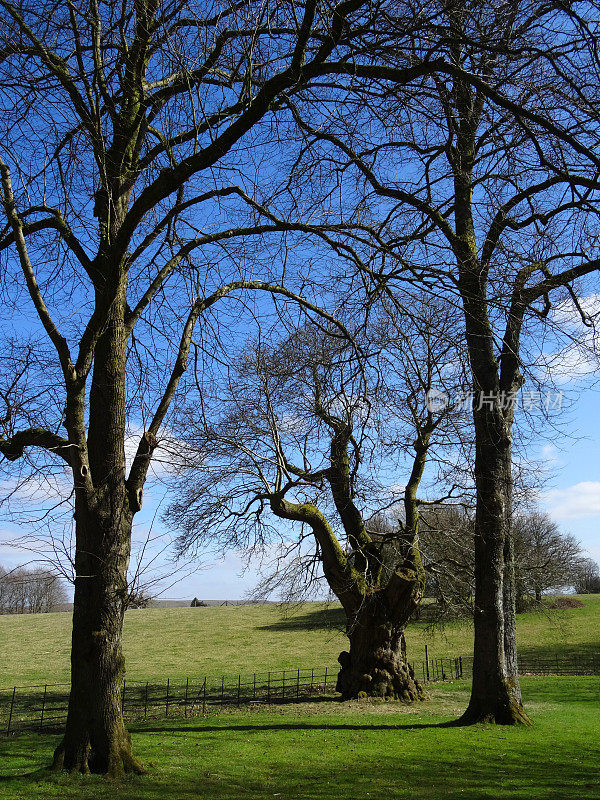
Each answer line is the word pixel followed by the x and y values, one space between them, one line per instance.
pixel 95 738
pixel 510 607
pixel 495 692
pixel 376 663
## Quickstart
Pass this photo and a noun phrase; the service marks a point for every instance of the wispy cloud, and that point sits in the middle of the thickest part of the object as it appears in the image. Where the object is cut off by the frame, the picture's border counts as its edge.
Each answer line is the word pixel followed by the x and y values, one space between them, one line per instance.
pixel 574 502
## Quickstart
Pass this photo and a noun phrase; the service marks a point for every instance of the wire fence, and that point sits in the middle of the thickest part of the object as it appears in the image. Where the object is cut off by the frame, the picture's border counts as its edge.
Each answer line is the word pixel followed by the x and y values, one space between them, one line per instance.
pixel 44 707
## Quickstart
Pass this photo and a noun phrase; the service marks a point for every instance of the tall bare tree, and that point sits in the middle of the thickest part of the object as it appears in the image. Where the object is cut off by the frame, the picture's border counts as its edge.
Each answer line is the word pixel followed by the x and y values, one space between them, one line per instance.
pixel 496 203
pixel 125 161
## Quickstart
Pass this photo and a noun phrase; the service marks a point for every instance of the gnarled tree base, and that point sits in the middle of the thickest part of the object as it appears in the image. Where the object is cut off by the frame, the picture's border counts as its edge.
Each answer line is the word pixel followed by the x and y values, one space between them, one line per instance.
pixel 384 673
pixel 114 761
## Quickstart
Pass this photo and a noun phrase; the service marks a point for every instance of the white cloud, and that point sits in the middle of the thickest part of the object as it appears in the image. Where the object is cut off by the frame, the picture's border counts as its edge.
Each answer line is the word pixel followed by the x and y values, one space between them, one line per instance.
pixel 574 502
pixel 566 314
pixel 549 455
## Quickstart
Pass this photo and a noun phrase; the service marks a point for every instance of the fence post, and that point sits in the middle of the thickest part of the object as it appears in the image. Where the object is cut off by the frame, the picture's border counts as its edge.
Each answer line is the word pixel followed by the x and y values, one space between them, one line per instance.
pixel 325 681
pixel 185 702
pixel 204 697
pixel 460 665
pixel 268 687
pixel 283 686
pixel 43 707
pixel 312 679
pixel 146 702
pixel 222 688
pixel 254 687
pixel 239 684
pixel 167 705
pixel 10 714
pixel 298 685
pixel 427 662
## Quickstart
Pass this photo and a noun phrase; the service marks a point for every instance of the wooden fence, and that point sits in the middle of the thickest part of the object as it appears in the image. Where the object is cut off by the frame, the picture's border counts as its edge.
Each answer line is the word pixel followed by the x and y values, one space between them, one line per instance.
pixel 44 707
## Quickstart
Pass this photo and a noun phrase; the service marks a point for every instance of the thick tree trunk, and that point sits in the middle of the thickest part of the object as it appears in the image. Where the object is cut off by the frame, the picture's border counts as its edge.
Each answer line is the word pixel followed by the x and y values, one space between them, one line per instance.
pixel 95 738
pixel 495 692
pixel 376 664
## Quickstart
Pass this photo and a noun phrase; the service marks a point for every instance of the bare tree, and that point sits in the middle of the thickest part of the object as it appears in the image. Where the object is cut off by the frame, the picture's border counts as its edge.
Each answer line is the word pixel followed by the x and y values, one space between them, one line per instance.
pixel 30 591
pixel 587 577
pixel 126 138
pixel 496 206
pixel 545 558
pixel 447 545
pixel 300 430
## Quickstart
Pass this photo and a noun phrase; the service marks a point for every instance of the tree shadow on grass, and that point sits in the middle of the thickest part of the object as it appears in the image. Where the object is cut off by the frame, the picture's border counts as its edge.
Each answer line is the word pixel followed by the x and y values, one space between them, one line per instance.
pixel 295 726
pixel 480 768
pixel 333 618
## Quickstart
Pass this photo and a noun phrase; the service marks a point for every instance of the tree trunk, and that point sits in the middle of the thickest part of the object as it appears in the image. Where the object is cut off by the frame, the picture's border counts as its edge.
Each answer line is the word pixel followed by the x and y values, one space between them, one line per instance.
pixel 95 738
pixel 376 663
pixel 510 604
pixel 495 692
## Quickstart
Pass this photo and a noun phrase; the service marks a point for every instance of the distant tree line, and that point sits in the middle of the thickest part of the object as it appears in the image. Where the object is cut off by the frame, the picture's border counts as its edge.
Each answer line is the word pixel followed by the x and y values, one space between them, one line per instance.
pixel 587 579
pixel 25 591
pixel 546 559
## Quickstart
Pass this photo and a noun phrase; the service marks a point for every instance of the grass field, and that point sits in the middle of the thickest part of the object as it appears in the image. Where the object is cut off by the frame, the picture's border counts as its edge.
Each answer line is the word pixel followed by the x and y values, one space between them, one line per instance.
pixel 178 642
pixel 346 751
pixel 316 751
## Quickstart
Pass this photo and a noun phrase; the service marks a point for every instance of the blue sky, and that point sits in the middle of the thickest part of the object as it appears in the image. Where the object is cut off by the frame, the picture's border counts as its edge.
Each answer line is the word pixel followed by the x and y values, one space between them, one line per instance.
pixel 573 495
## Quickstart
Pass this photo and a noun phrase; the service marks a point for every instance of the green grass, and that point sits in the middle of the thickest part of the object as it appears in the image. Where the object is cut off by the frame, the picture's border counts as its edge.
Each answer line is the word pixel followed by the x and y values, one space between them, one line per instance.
pixel 177 642
pixel 346 751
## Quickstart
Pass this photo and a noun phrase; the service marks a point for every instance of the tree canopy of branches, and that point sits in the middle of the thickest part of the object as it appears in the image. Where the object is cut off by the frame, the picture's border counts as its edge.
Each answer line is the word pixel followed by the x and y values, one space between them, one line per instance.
pixel 545 558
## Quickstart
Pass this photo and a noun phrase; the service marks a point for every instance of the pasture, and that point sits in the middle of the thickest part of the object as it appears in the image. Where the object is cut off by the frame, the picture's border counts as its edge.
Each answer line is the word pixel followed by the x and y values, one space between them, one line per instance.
pixel 177 642
pixel 316 750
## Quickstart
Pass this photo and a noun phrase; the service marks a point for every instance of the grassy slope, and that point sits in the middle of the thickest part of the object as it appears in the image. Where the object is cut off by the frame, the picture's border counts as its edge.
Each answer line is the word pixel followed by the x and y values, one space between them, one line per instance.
pixel 177 642
pixel 346 751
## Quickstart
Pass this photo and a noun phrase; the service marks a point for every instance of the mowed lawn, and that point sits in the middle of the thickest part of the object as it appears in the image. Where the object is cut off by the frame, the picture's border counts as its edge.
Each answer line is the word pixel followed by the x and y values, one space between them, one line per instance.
pixel 181 642
pixel 346 751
